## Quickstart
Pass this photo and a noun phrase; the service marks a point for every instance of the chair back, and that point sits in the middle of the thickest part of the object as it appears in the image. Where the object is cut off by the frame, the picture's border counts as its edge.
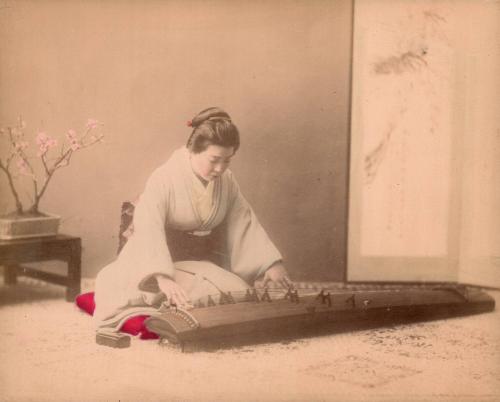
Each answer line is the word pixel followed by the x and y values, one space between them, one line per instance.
pixel 126 225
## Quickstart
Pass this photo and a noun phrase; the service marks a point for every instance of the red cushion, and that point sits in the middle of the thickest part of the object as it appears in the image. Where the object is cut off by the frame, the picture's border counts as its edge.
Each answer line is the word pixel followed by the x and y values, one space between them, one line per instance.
pixel 86 302
pixel 133 326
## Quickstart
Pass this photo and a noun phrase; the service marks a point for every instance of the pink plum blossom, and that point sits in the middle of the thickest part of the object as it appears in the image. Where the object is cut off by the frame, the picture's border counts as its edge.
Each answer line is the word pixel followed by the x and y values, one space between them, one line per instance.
pixel 74 144
pixel 71 134
pixel 22 166
pixel 21 145
pixel 44 143
pixel 92 123
pixel 41 138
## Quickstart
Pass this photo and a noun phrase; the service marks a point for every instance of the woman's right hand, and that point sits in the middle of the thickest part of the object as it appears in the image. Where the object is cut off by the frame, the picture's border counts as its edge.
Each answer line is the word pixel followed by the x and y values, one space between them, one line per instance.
pixel 173 292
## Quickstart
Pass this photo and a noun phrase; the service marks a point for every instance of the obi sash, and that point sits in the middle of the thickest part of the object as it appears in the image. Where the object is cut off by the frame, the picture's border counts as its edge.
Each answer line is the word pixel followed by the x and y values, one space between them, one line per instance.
pixel 198 246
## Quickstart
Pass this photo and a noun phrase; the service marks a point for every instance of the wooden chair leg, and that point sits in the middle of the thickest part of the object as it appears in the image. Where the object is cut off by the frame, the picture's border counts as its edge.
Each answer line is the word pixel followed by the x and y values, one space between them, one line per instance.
pixel 71 293
pixel 74 272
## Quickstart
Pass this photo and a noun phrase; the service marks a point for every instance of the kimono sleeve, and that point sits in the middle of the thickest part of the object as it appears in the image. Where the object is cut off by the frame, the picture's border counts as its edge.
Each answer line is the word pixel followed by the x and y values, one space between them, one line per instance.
pixel 147 249
pixel 250 249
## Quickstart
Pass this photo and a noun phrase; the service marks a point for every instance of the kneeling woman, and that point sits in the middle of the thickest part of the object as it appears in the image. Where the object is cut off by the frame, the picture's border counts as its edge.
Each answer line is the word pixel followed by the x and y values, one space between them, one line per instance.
pixel 191 210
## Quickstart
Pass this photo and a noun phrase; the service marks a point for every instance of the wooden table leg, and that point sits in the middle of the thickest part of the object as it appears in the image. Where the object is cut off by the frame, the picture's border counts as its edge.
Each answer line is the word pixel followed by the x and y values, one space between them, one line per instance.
pixel 10 274
pixel 74 271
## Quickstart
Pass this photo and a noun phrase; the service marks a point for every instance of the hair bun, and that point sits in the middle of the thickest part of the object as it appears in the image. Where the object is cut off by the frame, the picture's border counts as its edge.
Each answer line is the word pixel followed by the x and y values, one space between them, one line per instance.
pixel 212 113
pixel 213 126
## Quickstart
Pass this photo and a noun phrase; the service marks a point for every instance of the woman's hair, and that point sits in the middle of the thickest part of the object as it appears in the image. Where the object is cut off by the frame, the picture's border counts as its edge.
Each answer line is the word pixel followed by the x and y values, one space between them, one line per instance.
pixel 212 126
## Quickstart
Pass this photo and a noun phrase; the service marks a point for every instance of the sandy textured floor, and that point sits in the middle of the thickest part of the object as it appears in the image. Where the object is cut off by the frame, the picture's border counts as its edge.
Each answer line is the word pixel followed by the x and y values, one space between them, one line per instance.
pixel 48 353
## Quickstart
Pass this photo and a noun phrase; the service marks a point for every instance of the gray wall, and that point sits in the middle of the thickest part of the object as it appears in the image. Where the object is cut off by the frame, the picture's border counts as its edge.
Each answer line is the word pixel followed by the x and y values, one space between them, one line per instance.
pixel 280 68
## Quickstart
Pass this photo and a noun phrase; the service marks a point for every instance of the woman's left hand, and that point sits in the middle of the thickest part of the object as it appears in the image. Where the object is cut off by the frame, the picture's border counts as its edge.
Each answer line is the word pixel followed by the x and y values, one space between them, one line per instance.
pixel 277 273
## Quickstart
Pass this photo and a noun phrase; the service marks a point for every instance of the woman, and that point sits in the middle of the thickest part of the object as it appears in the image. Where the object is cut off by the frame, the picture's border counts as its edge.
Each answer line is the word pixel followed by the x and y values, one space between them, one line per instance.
pixel 190 210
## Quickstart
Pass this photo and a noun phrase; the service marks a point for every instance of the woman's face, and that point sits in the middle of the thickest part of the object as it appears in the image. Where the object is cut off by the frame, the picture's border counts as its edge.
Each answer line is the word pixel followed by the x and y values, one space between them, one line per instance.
pixel 212 162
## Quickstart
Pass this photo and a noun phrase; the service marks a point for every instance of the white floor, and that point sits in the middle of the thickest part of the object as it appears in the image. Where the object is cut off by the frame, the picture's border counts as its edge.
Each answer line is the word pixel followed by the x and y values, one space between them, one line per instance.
pixel 48 353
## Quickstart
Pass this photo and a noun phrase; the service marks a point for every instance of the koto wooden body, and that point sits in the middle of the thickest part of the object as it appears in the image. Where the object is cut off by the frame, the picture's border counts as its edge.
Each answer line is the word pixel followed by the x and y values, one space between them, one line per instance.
pixel 316 313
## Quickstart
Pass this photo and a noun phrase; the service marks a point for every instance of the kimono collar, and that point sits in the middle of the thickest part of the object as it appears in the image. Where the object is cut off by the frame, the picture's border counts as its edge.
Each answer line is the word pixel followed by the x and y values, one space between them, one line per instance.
pixel 203 197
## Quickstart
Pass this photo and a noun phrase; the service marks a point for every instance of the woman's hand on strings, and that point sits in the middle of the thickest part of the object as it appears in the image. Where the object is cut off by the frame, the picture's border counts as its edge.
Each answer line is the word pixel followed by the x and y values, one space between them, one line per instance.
pixel 278 274
pixel 173 292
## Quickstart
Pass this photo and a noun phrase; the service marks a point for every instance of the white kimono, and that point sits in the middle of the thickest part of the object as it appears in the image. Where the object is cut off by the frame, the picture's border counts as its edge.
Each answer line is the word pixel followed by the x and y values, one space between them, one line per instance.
pixel 172 198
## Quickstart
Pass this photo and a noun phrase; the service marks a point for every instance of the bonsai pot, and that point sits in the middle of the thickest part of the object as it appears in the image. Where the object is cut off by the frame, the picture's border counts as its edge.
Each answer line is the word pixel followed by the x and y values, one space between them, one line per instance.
pixel 14 226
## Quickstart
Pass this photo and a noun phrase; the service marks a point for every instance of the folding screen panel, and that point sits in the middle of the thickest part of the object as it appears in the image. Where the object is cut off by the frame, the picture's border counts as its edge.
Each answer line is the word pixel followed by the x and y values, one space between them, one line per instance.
pixel 409 206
